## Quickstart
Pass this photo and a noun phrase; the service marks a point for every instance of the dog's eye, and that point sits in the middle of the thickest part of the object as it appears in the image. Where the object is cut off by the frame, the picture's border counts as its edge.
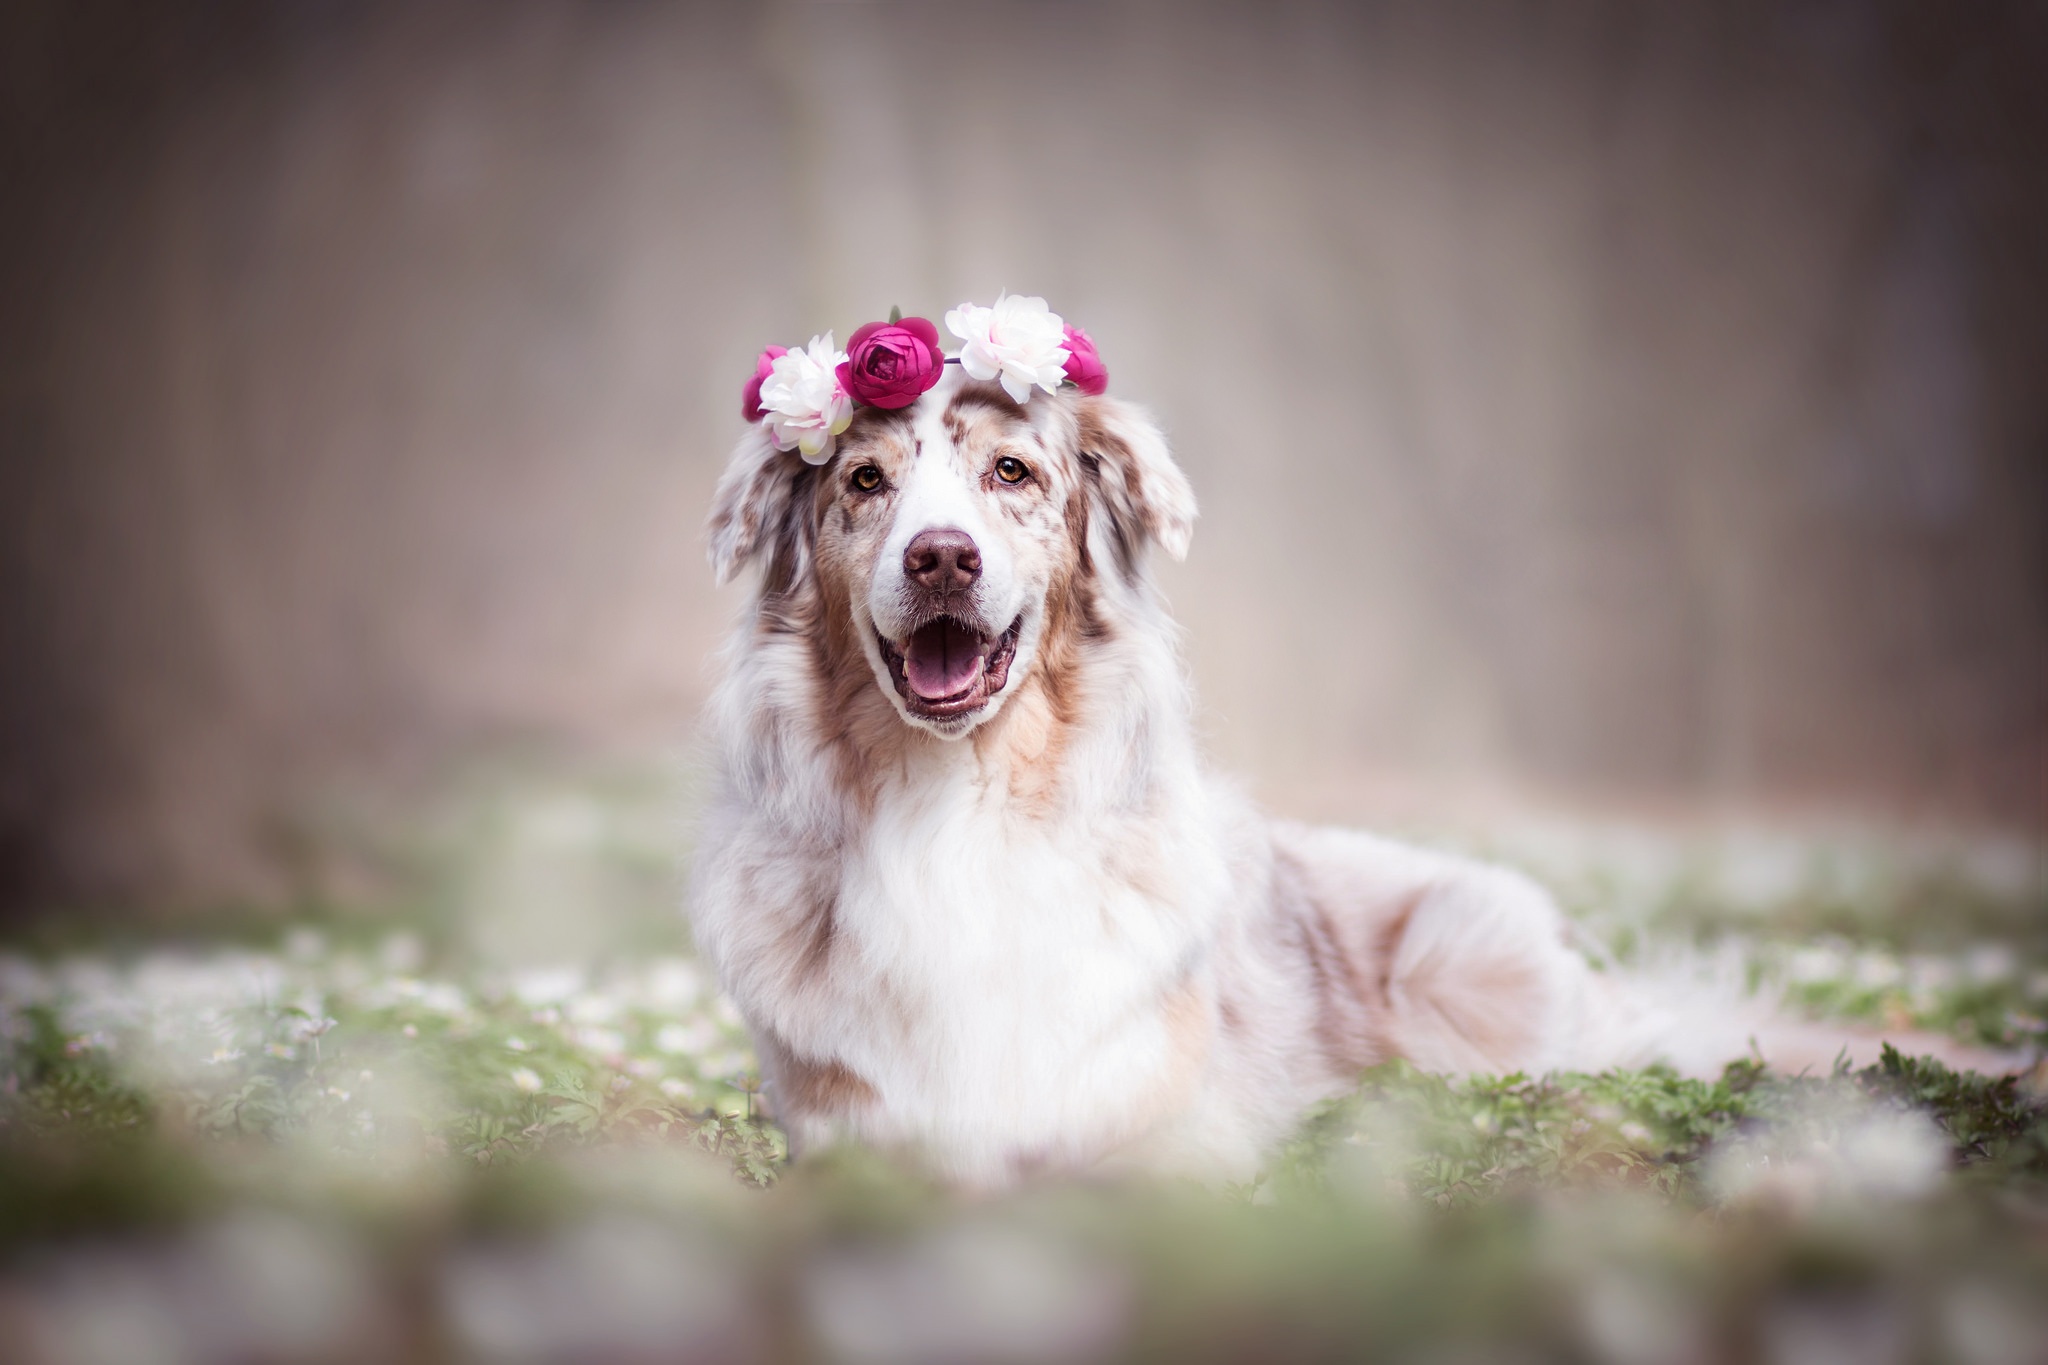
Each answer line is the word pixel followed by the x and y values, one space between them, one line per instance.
pixel 1010 469
pixel 867 478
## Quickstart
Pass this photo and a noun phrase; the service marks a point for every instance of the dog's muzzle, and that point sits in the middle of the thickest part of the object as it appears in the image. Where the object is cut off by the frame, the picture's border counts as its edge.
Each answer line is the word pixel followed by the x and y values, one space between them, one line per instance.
pixel 950 663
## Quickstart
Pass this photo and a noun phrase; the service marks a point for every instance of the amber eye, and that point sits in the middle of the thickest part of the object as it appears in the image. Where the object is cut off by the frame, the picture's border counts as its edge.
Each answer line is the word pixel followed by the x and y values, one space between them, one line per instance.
pixel 1011 469
pixel 867 478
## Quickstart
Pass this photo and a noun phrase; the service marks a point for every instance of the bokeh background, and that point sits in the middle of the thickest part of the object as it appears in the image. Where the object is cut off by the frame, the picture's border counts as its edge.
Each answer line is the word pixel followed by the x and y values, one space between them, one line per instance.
pixel 1622 435
pixel 1595 406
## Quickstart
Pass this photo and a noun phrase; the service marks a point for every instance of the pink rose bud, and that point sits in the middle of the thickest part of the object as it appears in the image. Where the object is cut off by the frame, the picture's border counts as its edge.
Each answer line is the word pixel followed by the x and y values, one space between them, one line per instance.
pixel 750 403
pixel 1085 369
pixel 888 364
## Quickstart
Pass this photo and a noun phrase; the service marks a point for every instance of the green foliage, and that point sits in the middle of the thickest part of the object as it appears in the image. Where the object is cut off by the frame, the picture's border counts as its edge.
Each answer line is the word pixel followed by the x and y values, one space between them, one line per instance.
pixel 62 1087
pixel 403 1103
pixel 478 1076
pixel 1458 1141
pixel 401 1071
pixel 416 1123
pixel 1999 1128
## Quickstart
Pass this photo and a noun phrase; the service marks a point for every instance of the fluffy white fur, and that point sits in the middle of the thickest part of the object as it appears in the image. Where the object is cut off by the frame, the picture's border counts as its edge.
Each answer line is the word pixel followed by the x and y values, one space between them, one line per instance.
pixel 1041 936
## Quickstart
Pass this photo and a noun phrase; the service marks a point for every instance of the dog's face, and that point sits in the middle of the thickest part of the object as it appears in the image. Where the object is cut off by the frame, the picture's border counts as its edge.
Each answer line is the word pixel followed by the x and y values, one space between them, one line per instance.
pixel 944 532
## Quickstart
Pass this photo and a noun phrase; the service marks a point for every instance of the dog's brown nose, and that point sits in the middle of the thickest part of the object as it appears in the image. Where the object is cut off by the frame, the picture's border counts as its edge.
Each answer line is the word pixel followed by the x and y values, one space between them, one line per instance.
pixel 943 561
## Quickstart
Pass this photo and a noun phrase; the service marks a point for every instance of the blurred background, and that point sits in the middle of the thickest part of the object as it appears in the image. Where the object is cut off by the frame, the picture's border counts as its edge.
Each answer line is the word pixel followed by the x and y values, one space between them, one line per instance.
pixel 1622 437
pixel 1596 406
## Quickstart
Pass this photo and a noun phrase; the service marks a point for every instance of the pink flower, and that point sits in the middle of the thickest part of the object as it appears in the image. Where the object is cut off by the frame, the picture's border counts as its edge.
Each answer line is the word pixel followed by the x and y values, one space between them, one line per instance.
pixel 1085 369
pixel 888 364
pixel 750 402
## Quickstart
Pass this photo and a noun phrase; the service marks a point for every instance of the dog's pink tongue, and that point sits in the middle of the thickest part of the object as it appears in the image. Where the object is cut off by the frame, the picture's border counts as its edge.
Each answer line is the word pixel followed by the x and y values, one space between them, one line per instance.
pixel 943 660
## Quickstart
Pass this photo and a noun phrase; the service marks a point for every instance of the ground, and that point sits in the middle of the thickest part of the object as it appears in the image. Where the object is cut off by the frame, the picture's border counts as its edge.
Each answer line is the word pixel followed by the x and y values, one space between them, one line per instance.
pixel 414 1134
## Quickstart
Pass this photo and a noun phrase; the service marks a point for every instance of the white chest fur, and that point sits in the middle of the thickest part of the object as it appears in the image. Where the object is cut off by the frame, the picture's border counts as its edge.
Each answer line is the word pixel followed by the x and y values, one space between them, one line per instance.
pixel 1000 983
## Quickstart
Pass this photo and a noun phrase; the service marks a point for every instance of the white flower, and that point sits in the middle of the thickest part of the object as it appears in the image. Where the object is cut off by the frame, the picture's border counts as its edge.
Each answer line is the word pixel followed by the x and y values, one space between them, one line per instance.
pixel 603 1041
pixel 1019 342
pixel 547 985
pixel 696 1036
pixel 526 1078
pixel 674 981
pixel 302 1029
pixel 443 997
pixel 803 403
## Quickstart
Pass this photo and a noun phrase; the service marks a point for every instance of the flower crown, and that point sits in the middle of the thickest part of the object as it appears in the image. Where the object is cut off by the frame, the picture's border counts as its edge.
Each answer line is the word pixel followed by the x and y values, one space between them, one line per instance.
pixel 806 397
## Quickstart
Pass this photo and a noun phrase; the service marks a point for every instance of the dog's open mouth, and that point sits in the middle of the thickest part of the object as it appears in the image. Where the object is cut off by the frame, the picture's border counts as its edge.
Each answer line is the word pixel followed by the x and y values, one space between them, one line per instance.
pixel 947 668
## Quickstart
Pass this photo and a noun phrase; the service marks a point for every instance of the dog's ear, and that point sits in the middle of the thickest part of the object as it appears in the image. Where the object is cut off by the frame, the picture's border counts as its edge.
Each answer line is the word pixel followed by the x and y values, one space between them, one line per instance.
pixel 756 506
pixel 1137 484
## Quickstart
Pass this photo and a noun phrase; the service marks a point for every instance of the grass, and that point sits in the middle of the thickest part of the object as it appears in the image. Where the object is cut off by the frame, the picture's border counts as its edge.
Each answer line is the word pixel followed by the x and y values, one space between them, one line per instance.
pixel 1457 1142
pixel 383 1142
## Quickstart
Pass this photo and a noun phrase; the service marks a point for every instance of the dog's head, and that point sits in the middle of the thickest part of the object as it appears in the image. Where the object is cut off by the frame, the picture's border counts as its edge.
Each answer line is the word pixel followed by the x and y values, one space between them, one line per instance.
pixel 940 536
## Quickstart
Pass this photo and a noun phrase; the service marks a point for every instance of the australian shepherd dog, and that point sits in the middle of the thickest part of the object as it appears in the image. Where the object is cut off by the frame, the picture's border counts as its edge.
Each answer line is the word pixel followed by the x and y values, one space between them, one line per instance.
pixel 963 872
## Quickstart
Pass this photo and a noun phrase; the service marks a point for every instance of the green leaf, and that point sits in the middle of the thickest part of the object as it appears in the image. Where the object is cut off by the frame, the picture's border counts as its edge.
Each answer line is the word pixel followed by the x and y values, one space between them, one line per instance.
pixel 895 314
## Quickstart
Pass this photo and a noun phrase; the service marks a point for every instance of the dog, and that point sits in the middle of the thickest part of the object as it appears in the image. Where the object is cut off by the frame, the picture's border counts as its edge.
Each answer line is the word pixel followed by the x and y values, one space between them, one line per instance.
pixel 964 874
